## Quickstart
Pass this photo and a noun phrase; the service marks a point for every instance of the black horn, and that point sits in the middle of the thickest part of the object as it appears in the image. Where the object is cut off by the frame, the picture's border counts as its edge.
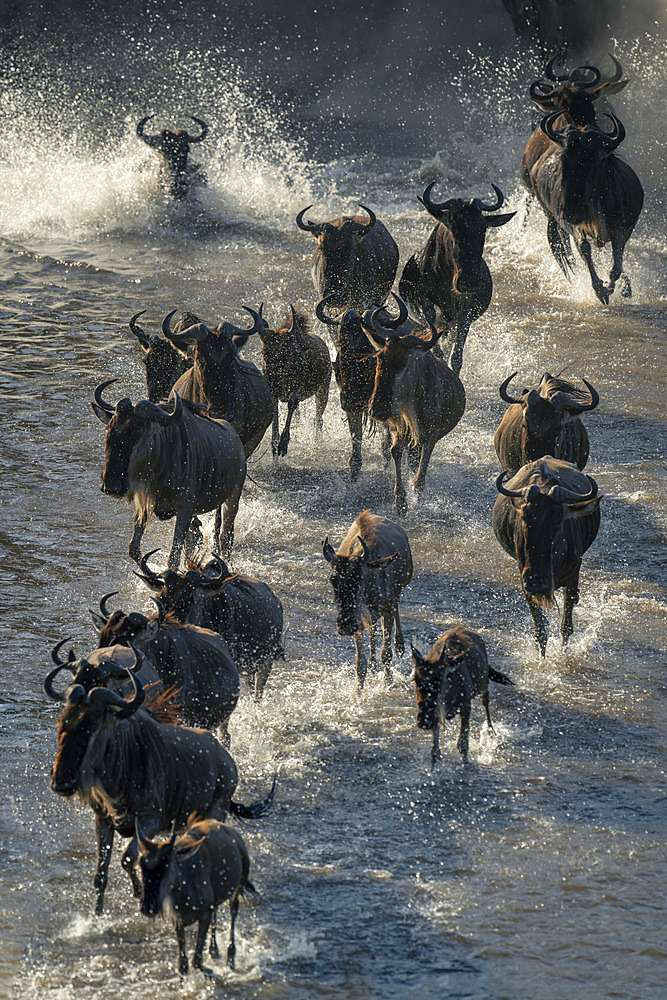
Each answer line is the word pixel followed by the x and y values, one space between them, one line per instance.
pixel 504 395
pixel 308 227
pixel 483 207
pixel 106 614
pixel 320 313
pixel 142 337
pixel 102 403
pixel 372 219
pixel 204 131
pixel 503 489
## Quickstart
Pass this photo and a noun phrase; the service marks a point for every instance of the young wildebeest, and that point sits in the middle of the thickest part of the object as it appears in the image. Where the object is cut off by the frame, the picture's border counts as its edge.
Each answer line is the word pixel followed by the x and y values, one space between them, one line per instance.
pixel 187 878
pixel 173 148
pixel 163 363
pixel 232 389
pixel 546 517
pixel 370 569
pixel 447 282
pixel 195 661
pixel 246 612
pixel 544 421
pixel 172 464
pixel 454 671
pixel 296 366
pixel 355 260
pixel 416 395
pixel 127 765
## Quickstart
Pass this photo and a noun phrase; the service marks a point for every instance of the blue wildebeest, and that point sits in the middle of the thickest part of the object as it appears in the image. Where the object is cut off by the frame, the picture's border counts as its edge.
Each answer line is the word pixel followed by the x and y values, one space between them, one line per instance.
pixel 447 282
pixel 587 193
pixel 546 517
pixel 172 464
pixel 163 363
pixel 354 261
pixel 544 421
pixel 454 671
pixel 128 766
pixel 186 878
pixel 232 389
pixel 370 568
pixel 296 366
pixel 173 149
pixel 416 395
pixel 243 610
pixel 196 661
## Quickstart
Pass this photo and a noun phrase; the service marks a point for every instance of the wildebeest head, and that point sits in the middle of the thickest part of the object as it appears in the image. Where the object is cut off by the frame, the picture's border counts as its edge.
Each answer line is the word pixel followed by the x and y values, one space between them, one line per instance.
pixel 346 579
pixel 540 513
pixel 177 592
pixel 339 241
pixel 277 342
pixel 213 349
pixel 174 148
pixel 546 410
pixel 468 226
pixel 115 628
pixel 575 92
pixel 88 703
pixel 355 364
pixel 155 864
pixel 439 684
pixel 163 363
pixel 125 426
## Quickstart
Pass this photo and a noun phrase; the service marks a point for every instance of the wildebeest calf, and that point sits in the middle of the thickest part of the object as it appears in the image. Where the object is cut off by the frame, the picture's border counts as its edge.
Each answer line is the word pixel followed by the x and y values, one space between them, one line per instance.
pixel 454 671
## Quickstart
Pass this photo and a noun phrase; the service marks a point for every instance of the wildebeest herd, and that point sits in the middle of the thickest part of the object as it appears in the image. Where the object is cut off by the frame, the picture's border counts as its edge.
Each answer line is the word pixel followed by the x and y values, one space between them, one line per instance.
pixel 182 453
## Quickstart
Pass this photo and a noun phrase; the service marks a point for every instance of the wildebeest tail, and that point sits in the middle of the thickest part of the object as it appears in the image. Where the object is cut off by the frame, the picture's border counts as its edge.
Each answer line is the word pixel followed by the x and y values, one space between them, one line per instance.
pixel 495 675
pixel 256 809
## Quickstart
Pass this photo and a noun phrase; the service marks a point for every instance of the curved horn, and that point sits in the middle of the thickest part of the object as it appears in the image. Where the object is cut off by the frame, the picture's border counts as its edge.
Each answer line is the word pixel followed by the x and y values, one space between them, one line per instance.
pixel 142 337
pixel 257 322
pixel 364 548
pixel 308 227
pixel 106 614
pixel 504 395
pixel 392 322
pixel 49 679
pixel 177 412
pixel 618 70
pixel 546 94
pixel 293 321
pixel 549 71
pixel 97 395
pixel 575 78
pixel 140 128
pixel 372 219
pixel 595 399
pixel 483 207
pixel 321 315
pixel 102 697
pixel 71 658
pixel 556 135
pixel 195 333
pixel 431 206
pixel 151 578
pixel 204 131
pixel 613 139
pixel 562 495
pixel 161 610
pixel 503 490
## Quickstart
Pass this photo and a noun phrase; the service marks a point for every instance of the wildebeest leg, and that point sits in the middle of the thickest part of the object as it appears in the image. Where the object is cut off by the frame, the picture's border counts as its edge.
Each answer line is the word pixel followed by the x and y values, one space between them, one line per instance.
pixel 456 357
pixel 386 448
pixel 128 862
pixel 485 702
pixel 385 652
pixel 371 641
pixel 616 273
pixel 261 677
pixel 414 457
pixel 540 620
pixel 599 288
pixel 571 598
pixel 104 837
pixel 140 522
pixel 321 400
pixel 435 748
pixel 420 478
pixel 213 949
pixel 217 525
pixel 355 423
pixel 233 913
pixel 182 954
pixel 463 739
pixel 397 446
pixel 399 641
pixel 202 930
pixel 183 517
pixel 283 444
pixel 361 663
pixel 559 241
pixel 229 512
pixel 275 430
pixel 194 537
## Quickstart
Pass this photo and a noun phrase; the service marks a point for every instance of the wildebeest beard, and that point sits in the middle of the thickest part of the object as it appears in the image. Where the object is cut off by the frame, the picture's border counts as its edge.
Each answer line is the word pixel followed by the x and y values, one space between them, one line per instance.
pixel 153 872
pixel 123 435
pixel 73 739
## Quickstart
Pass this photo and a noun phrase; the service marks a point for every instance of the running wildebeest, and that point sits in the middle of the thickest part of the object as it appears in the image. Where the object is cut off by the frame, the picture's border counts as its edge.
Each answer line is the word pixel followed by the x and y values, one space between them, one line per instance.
pixel 416 395
pixel 246 612
pixel 544 421
pixel 173 149
pixel 186 879
pixel 127 765
pixel 371 567
pixel 447 282
pixel 173 465
pixel 163 363
pixel 231 388
pixel 587 193
pixel 296 366
pixel 196 661
pixel 454 671
pixel 354 261
pixel 546 517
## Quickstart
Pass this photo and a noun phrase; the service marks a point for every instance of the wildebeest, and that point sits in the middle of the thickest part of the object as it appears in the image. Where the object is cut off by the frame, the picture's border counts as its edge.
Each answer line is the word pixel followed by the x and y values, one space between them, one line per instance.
pixel 454 671
pixel 163 363
pixel 354 261
pixel 174 148
pixel 447 282
pixel 546 517
pixel 296 366
pixel 246 612
pixel 544 421
pixel 172 464
pixel 231 388
pixel 196 661
pixel 587 193
pixel 575 93
pixel 186 879
pixel 128 766
pixel 417 396
pixel 371 567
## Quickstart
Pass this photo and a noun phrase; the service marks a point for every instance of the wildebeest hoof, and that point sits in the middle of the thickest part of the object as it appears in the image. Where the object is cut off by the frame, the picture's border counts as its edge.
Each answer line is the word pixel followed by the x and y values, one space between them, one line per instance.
pixel 624 286
pixel 602 293
pixel 401 505
pixel 282 447
pixel 213 950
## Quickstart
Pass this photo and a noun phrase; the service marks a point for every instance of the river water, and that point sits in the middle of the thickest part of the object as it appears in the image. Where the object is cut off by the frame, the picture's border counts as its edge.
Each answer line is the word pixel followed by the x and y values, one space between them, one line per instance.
pixel 534 870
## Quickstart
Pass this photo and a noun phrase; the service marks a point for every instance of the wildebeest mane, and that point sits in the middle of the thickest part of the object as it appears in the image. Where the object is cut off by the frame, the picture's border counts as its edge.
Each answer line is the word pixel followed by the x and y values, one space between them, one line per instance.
pixel 366 522
pixel 302 318
pixel 557 384
pixel 163 703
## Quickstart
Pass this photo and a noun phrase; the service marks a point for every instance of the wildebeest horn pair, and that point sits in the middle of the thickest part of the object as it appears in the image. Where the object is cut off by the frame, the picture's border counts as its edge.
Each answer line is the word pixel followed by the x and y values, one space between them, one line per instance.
pixel 316 228
pixel 564 402
pixel 374 329
pixel 559 494
pixel 456 204
pixel 199 332
pixel 99 696
pixel 609 140
pixel 191 138
pixel 145 410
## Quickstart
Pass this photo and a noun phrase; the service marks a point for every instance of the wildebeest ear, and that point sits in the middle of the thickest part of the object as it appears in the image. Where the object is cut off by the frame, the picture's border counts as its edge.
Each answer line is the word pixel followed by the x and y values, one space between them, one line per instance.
pixel 417 657
pixel 381 563
pixel 101 414
pixel 98 621
pixel 583 509
pixel 328 550
pixel 499 220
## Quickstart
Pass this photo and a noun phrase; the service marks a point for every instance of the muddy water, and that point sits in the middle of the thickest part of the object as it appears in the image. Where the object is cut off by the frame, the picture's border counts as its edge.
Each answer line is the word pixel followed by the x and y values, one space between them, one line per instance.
pixel 532 871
